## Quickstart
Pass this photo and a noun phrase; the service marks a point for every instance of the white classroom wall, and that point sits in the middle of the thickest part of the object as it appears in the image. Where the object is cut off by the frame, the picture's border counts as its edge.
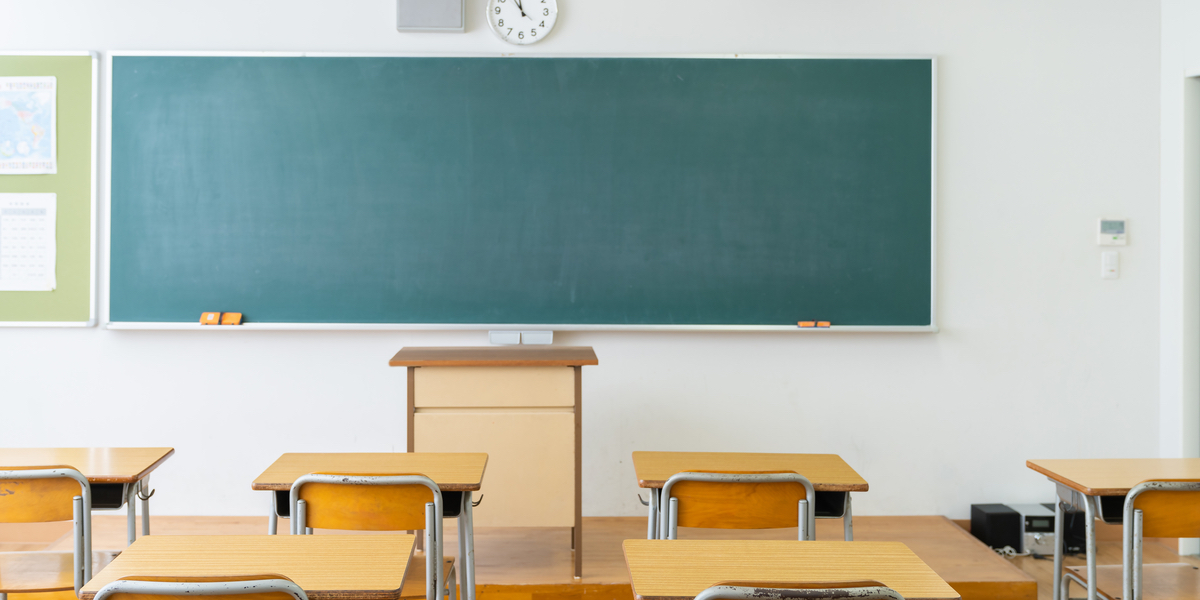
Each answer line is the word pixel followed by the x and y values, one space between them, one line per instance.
pixel 1179 415
pixel 1049 119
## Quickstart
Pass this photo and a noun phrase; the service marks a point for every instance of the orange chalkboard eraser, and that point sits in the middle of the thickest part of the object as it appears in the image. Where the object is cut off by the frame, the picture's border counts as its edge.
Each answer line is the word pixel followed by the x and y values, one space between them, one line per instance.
pixel 231 318
pixel 210 318
pixel 822 323
pixel 806 324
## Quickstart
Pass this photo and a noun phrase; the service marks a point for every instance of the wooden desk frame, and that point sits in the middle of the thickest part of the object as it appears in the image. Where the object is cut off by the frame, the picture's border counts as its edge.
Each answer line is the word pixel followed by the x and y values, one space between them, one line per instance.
pixel 1079 495
pixel 125 487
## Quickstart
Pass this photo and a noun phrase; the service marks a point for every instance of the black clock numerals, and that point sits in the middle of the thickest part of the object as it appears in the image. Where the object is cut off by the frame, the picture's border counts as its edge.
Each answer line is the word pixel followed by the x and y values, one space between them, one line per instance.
pixel 512 22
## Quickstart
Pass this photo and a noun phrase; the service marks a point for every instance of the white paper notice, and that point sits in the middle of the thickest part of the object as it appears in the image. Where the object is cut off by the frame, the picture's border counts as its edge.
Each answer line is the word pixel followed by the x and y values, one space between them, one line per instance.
pixel 28 136
pixel 28 242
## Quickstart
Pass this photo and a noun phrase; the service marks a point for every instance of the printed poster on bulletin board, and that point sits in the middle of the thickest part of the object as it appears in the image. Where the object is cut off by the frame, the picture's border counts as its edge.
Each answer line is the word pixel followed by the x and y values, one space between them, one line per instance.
pixel 28 140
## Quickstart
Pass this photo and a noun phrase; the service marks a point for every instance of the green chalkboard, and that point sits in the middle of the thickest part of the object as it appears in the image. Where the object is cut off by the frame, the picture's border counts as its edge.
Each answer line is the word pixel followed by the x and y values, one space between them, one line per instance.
pixel 72 302
pixel 554 191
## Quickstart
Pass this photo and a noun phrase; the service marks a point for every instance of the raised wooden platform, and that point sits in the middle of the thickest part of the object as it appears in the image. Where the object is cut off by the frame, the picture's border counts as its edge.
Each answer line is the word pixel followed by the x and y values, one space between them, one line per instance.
pixel 536 564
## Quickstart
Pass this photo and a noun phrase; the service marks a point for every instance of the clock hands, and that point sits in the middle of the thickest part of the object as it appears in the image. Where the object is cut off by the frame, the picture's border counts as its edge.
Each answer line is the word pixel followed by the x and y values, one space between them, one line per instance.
pixel 522 9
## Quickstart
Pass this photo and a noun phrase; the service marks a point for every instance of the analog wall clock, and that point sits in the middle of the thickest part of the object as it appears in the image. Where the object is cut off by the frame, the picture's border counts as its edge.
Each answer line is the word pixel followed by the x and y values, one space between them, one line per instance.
pixel 522 21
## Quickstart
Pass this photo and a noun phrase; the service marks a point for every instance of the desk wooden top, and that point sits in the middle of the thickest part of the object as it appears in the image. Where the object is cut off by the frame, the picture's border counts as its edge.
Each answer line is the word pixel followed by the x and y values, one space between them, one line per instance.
pixel 99 465
pixel 827 472
pixel 496 356
pixel 327 567
pixel 1114 476
pixel 452 471
pixel 680 569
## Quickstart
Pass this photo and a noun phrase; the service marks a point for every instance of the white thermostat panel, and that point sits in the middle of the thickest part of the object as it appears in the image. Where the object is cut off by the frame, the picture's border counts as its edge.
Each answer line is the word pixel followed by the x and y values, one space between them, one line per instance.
pixel 1113 232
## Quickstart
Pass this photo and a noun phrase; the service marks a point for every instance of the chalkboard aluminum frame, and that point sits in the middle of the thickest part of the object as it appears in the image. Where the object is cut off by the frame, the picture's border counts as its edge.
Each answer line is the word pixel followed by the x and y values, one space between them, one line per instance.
pixel 931 328
pixel 94 246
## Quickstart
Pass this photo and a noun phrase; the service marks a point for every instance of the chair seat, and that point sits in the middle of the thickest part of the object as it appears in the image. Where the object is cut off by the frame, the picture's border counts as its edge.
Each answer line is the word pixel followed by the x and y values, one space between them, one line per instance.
pixel 414 579
pixel 1170 581
pixel 59 595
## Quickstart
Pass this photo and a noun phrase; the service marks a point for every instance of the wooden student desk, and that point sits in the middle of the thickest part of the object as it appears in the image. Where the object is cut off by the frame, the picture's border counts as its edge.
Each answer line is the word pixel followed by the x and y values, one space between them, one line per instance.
pixel 326 567
pixel 116 475
pixel 832 478
pixel 523 405
pixel 457 474
pixel 1098 488
pixel 680 569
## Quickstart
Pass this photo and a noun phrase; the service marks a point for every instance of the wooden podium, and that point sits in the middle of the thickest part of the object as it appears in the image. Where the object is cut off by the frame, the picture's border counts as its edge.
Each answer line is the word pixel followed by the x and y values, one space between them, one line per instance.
pixel 522 405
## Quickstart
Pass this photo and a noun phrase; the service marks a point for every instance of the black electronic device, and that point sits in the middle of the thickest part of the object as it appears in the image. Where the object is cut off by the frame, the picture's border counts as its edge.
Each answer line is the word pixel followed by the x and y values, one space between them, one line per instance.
pixel 1026 528
pixel 996 525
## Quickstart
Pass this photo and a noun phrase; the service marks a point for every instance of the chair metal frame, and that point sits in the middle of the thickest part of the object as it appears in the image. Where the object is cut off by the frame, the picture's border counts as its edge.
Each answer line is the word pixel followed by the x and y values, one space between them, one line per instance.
pixel 806 516
pixel 81 516
pixel 435 576
pixel 201 588
pixel 1131 542
pixel 737 592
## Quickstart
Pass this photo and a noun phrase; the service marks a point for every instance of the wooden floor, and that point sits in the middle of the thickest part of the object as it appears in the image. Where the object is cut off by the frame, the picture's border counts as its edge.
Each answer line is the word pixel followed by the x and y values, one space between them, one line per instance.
pixel 535 564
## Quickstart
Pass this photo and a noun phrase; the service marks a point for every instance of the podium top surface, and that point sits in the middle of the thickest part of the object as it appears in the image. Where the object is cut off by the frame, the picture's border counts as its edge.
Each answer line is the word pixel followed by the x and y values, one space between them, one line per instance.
pixel 495 356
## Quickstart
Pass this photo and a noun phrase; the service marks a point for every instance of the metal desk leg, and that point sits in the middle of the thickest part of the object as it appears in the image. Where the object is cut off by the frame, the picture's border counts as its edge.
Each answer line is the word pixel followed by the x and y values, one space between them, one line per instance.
pixel 131 513
pixel 1059 515
pixel 1089 509
pixel 272 517
pixel 462 546
pixel 468 532
pixel 144 496
pixel 848 522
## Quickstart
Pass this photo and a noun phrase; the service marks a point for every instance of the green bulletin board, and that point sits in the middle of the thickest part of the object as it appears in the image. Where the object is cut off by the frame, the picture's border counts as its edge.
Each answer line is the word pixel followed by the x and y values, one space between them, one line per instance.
pixel 73 301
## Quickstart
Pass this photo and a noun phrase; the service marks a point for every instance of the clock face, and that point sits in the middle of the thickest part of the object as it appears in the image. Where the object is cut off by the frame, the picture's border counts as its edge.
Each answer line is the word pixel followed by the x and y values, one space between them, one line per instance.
pixel 522 21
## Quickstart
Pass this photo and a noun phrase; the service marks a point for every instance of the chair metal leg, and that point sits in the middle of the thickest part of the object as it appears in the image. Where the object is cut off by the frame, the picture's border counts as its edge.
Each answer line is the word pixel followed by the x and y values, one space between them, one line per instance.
pixel 664 515
pixel 1058 548
pixel 673 519
pixel 298 519
pixel 802 520
pixel 1137 556
pixel 272 516
pixel 77 510
pixel 848 522
pixel 451 592
pixel 431 566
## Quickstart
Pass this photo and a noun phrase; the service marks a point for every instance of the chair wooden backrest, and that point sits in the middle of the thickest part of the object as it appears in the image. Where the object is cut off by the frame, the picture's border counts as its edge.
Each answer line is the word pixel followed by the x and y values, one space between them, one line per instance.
pixel 1169 513
pixel 375 502
pixel 44 494
pixel 42 500
pixel 245 587
pixel 738 505
pixel 1157 508
pixel 363 507
pixel 859 590
pixel 738 500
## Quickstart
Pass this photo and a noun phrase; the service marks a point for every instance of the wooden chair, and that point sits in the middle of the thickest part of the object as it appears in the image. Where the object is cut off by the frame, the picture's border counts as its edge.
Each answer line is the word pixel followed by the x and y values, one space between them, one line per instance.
pixel 45 495
pixel 245 587
pixel 860 590
pixel 368 502
pixel 1152 509
pixel 739 500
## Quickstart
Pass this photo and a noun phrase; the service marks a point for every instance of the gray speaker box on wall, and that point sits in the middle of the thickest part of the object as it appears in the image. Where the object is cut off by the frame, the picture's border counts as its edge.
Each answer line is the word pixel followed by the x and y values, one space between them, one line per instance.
pixel 431 15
